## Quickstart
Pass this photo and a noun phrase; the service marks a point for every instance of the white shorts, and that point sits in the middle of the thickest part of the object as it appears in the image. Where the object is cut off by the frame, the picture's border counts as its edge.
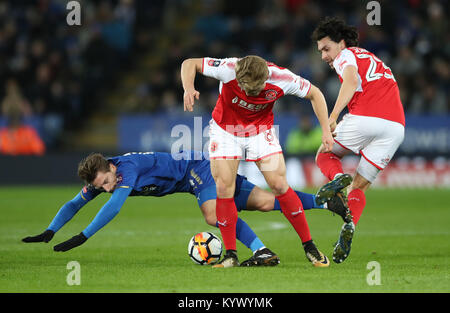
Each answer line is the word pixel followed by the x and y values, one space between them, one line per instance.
pixel 375 139
pixel 224 145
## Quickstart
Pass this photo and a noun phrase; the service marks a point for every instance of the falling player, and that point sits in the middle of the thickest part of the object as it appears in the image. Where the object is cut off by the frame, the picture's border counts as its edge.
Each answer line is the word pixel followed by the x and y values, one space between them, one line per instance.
pixel 373 128
pixel 242 128
pixel 158 174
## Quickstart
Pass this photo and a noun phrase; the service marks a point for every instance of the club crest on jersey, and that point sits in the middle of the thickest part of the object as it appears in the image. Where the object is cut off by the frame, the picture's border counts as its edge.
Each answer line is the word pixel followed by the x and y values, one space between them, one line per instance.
pixel 214 63
pixel 271 94
pixel 119 178
pixel 213 146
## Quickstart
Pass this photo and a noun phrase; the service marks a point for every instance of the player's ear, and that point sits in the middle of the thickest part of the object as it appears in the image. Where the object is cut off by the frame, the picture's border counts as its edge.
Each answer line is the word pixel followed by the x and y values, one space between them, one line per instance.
pixel 112 167
pixel 342 45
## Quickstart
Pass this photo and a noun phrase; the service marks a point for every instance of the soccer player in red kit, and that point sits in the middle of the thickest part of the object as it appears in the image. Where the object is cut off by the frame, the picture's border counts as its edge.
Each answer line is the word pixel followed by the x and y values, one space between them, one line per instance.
pixel 373 128
pixel 242 128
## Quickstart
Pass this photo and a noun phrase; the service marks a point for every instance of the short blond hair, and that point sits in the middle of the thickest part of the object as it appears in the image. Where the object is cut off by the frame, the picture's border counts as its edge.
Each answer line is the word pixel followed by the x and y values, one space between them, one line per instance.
pixel 251 74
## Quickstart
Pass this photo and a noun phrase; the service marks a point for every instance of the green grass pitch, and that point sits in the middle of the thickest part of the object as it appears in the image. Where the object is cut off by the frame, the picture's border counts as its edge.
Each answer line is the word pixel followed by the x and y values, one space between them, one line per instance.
pixel 144 249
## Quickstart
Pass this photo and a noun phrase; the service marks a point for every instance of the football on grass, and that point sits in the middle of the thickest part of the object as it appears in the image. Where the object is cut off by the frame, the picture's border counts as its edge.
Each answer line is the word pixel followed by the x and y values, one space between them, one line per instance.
pixel 205 248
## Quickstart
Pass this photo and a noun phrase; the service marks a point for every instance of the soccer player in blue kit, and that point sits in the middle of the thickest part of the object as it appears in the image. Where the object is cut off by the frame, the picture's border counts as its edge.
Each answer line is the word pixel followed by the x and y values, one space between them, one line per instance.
pixel 159 174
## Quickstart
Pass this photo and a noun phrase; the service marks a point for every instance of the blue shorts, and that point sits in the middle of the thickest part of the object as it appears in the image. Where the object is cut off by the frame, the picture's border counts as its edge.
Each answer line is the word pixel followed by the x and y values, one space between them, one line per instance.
pixel 204 187
pixel 241 194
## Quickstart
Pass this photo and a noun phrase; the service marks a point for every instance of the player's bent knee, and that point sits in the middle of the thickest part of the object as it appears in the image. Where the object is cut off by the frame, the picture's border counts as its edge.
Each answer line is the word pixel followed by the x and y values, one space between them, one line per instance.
pixel 211 220
pixel 266 206
pixel 279 186
pixel 225 190
pixel 359 182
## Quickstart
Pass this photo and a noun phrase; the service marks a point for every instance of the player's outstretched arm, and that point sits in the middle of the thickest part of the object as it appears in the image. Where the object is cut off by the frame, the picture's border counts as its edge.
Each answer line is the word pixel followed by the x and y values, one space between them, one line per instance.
pixel 346 92
pixel 65 214
pixel 189 69
pixel 103 217
pixel 320 109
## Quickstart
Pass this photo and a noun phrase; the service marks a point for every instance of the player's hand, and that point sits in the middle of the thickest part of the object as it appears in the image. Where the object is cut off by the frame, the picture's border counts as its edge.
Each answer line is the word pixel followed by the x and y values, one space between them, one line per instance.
pixel 189 98
pixel 46 236
pixel 73 242
pixel 327 141
pixel 332 123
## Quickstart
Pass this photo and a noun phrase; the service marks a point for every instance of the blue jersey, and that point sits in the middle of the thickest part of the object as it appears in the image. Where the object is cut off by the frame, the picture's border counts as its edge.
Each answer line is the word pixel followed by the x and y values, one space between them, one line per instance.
pixel 151 174
pixel 158 174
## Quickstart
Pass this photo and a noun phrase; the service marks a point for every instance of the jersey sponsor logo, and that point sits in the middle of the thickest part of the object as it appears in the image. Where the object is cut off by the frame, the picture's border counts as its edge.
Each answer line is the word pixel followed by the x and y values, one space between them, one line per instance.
pixel 251 106
pixel 271 94
pixel 214 63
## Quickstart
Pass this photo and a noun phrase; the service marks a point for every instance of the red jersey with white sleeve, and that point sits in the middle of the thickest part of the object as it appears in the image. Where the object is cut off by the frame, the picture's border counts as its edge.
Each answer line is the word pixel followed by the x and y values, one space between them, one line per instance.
pixel 377 94
pixel 240 114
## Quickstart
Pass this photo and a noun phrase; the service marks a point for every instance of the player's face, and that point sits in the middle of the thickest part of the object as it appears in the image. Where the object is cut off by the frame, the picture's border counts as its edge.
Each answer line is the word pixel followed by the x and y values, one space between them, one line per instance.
pixel 329 49
pixel 106 180
pixel 253 92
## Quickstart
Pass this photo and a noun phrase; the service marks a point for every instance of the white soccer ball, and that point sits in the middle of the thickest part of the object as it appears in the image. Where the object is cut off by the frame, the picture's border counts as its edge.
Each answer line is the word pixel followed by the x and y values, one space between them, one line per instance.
pixel 205 248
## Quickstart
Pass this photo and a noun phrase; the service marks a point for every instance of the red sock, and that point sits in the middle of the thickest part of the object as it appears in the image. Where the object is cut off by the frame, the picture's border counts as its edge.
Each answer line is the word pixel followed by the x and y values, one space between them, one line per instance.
pixel 226 213
pixel 330 164
pixel 292 208
pixel 356 203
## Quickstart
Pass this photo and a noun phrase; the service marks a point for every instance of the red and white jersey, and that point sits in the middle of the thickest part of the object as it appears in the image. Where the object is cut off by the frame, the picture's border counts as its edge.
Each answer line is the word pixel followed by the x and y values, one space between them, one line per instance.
pixel 377 93
pixel 240 114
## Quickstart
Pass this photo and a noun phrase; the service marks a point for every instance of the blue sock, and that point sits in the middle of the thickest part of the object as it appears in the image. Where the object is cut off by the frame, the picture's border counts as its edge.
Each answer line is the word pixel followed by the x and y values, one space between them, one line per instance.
pixel 246 235
pixel 256 244
pixel 308 201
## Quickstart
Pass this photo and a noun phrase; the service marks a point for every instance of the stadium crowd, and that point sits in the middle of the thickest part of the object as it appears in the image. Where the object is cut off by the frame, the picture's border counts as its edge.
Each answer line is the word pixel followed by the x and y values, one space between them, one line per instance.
pixel 413 39
pixel 61 71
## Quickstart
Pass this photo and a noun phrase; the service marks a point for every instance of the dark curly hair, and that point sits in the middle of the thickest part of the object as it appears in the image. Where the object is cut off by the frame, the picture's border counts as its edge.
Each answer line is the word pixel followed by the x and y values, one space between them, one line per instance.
pixel 337 30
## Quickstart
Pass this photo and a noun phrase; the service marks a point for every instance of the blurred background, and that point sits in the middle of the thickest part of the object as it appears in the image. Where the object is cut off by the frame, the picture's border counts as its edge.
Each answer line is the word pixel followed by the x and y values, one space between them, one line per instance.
pixel 112 84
